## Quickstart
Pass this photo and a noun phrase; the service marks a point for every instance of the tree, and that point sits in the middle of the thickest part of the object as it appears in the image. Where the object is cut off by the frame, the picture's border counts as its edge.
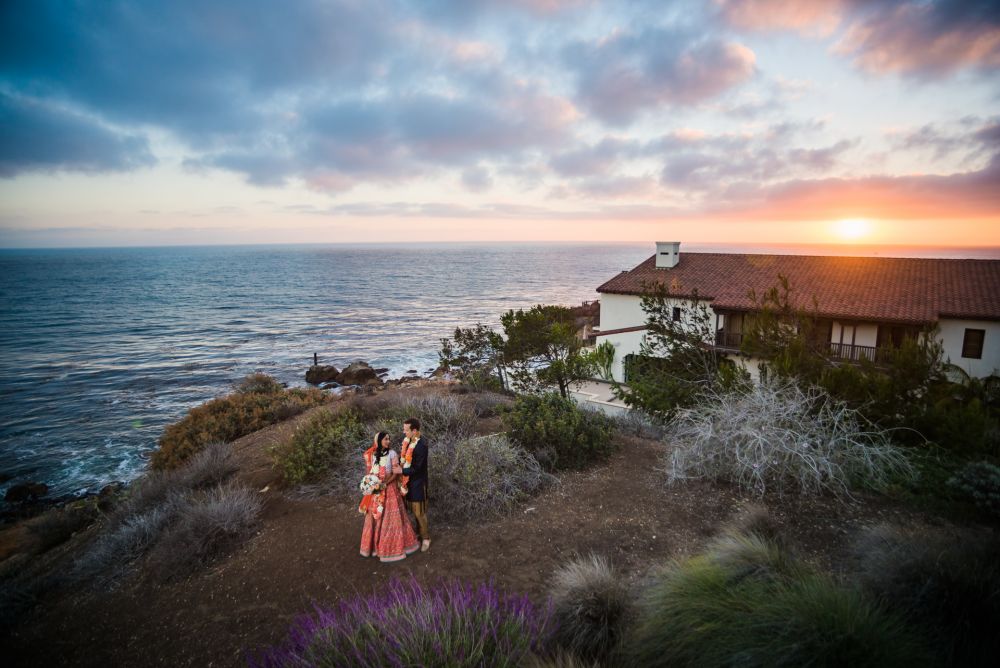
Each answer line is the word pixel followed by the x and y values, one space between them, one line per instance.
pixel 542 349
pixel 677 362
pixel 476 356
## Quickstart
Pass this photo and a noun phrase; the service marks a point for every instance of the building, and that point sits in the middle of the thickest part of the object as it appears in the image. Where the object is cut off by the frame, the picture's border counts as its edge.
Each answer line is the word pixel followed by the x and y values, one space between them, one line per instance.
pixel 860 303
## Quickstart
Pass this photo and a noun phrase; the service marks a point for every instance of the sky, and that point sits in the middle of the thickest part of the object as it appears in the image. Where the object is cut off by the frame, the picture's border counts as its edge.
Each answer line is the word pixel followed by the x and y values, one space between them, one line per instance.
pixel 324 121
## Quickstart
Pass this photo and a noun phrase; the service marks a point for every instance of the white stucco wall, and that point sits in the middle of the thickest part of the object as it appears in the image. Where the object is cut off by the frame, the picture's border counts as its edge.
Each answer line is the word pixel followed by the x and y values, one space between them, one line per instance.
pixel 619 311
pixel 952 334
pixel 625 344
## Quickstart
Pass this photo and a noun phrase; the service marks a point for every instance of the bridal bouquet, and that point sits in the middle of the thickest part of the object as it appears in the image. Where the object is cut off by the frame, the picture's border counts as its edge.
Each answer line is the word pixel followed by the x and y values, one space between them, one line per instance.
pixel 370 484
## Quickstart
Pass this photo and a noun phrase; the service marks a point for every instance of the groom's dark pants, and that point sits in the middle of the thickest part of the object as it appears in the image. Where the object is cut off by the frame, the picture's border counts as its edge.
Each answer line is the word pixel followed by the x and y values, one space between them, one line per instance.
pixel 419 510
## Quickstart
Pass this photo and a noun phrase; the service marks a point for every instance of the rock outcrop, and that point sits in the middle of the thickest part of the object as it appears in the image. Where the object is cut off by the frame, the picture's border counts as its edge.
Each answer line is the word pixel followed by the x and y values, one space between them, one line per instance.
pixel 359 373
pixel 319 374
pixel 26 491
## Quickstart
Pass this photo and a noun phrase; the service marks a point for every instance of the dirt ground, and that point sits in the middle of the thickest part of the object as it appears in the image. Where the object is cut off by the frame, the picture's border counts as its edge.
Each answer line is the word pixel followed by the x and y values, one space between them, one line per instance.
pixel 306 552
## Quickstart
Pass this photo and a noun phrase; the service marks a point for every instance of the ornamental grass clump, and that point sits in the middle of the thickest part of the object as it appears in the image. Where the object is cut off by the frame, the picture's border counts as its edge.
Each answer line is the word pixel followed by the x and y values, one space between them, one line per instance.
pixel 592 609
pixel 257 402
pixel 744 604
pixel 407 624
pixel 946 584
pixel 778 436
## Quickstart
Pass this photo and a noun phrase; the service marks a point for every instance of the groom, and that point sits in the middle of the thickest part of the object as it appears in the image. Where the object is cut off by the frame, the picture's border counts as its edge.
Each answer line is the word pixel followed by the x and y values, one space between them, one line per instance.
pixel 415 466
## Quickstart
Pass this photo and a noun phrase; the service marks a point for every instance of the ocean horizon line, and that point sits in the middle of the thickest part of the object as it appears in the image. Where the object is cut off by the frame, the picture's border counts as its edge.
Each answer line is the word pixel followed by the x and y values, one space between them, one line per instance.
pixel 979 251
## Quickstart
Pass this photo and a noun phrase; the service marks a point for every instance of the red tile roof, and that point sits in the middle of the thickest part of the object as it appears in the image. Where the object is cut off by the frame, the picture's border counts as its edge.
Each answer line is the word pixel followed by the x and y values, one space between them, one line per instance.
pixel 904 290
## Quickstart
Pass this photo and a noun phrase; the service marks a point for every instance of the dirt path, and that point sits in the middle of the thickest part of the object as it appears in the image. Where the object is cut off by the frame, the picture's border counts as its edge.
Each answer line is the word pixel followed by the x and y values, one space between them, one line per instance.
pixel 307 551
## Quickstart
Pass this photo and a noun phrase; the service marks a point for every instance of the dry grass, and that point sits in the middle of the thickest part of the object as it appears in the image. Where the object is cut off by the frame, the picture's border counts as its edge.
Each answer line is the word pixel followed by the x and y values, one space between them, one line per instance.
pixel 208 525
pixel 781 437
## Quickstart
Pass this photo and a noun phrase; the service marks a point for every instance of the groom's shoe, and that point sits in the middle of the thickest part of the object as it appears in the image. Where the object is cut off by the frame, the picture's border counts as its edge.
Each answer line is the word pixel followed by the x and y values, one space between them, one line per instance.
pixel 425 545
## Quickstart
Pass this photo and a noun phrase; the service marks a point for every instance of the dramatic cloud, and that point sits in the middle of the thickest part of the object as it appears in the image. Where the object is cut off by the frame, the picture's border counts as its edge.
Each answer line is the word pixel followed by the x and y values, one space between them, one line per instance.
pixel 38 137
pixel 925 39
pixel 921 38
pixel 626 73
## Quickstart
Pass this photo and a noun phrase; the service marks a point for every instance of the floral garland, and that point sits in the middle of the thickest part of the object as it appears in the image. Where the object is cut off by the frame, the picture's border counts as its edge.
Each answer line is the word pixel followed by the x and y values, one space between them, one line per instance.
pixel 406 458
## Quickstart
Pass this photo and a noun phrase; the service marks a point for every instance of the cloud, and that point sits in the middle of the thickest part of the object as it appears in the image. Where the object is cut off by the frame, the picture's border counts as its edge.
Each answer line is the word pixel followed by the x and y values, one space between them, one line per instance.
pixel 37 136
pixel 713 163
pixel 972 137
pixel 819 17
pixel 625 73
pixel 925 39
pixel 594 159
pixel 477 179
pixel 917 38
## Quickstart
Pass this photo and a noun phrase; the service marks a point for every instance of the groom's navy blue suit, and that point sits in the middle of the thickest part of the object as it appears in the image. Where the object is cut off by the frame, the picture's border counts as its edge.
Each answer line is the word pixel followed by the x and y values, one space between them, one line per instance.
pixel 417 471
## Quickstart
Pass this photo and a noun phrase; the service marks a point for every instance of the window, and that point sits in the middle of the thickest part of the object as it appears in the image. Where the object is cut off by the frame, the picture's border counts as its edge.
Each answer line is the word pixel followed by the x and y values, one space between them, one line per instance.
pixel 972 345
pixel 677 314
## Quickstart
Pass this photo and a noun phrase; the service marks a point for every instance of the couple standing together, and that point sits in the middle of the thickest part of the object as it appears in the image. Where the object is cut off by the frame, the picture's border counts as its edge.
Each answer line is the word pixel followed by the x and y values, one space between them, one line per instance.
pixel 391 479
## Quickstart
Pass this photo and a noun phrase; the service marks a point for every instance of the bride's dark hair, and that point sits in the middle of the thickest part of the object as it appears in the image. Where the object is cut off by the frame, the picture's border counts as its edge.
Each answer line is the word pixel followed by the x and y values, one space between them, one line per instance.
pixel 379 437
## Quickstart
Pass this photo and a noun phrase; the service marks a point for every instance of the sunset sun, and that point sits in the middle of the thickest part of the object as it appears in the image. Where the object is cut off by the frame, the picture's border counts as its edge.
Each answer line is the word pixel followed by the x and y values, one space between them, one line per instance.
pixel 852 229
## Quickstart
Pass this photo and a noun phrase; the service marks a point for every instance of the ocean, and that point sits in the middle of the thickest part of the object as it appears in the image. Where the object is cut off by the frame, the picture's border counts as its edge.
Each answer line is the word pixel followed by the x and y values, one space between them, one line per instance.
pixel 101 348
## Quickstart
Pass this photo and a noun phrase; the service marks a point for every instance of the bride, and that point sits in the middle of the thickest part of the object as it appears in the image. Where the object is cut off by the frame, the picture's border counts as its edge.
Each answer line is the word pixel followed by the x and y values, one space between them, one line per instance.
pixel 387 533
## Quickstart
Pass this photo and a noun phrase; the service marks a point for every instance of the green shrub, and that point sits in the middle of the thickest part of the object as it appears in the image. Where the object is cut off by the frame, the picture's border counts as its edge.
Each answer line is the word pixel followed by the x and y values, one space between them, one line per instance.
pixel 323 442
pixel 592 608
pixel 948 584
pixel 756 607
pixel 560 434
pixel 979 482
pixel 258 401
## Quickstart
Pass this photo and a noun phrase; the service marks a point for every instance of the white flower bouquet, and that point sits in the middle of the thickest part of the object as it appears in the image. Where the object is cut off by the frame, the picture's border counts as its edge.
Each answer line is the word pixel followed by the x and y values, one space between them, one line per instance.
pixel 370 484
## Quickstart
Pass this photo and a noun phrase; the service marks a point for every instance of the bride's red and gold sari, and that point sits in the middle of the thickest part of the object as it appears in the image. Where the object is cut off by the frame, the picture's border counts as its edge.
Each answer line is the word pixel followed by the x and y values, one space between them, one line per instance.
pixel 387 533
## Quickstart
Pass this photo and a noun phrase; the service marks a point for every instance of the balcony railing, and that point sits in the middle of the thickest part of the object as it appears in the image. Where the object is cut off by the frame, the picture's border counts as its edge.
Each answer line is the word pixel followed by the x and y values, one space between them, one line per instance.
pixel 840 351
pixel 725 339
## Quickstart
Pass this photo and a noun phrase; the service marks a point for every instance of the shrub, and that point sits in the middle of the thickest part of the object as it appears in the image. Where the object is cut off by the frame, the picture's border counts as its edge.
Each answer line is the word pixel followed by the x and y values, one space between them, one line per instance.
pixel 210 466
pixel 408 625
pixel 639 424
pixel 439 415
pixel 154 503
pixel 980 482
pixel 58 525
pixel 208 525
pixel 592 608
pixel 259 383
pixel 947 584
pixel 113 551
pixel 779 436
pixel 258 401
pixel 479 477
pixel 320 444
pixel 755 607
pixel 490 404
pixel 559 433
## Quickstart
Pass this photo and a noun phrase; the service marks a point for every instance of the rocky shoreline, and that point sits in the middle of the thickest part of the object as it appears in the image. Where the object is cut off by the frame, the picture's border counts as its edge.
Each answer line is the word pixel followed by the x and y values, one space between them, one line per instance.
pixel 29 499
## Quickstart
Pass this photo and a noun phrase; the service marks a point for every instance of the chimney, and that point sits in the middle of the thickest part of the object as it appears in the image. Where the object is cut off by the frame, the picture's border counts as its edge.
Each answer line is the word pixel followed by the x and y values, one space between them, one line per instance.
pixel 668 254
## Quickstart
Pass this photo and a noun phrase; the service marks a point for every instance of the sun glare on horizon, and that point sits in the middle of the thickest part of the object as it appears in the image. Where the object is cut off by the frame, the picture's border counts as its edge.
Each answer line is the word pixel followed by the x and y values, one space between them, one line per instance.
pixel 852 229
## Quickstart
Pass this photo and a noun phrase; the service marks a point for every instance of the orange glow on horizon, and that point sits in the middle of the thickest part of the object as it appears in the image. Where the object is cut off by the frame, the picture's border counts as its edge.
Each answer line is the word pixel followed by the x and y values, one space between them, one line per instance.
pixel 852 229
